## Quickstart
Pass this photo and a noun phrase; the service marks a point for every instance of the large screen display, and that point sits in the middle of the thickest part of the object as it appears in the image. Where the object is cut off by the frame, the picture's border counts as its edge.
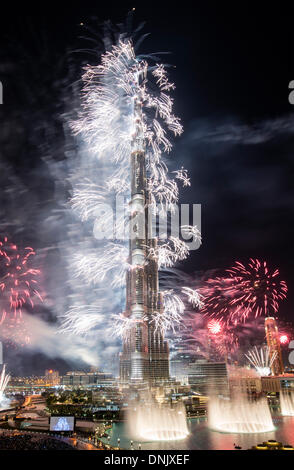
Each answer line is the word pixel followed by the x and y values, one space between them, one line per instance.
pixel 62 423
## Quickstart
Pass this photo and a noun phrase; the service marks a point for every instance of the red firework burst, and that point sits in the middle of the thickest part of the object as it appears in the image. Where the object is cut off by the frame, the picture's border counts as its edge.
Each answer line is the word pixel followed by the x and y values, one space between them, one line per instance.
pixel 248 290
pixel 18 280
pixel 208 338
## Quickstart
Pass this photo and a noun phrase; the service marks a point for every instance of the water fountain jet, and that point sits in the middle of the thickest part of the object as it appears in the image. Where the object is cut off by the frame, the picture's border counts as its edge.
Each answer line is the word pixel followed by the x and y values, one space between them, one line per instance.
pixel 287 403
pixel 239 415
pixel 4 379
pixel 152 422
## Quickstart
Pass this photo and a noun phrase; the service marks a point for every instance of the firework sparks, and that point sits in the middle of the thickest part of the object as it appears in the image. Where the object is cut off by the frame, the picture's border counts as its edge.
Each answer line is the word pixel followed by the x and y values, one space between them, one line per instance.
pixel 214 326
pixel 18 280
pixel 167 254
pixel 182 175
pixel 194 297
pixel 248 290
pixel 208 339
pixel 122 325
pixel 261 359
pixel 94 265
pixel 108 122
pixel 81 320
pixel 173 309
pixel 125 105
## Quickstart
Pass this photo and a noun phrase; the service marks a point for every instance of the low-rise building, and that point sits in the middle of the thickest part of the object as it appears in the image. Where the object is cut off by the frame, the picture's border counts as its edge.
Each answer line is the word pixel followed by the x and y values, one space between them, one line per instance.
pixel 76 379
pixel 275 384
pixel 204 376
pixel 249 385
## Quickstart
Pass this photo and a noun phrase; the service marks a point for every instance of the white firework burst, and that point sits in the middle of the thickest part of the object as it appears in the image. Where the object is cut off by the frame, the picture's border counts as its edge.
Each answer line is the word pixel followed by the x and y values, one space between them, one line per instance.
pixel 194 297
pixel 261 359
pixel 169 253
pixel 93 265
pixel 172 313
pixel 111 126
pixel 82 319
pixel 122 325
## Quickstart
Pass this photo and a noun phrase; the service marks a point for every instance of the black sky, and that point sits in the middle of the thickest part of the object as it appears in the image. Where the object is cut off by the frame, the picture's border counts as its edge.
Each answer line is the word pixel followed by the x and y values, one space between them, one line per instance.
pixel 233 63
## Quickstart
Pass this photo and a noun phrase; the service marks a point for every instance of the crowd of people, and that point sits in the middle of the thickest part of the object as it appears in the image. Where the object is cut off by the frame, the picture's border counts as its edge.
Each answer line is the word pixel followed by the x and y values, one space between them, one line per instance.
pixel 31 442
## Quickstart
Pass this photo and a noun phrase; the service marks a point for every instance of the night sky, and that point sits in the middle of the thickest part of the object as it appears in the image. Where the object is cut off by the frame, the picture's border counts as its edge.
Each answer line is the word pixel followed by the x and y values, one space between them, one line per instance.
pixel 232 67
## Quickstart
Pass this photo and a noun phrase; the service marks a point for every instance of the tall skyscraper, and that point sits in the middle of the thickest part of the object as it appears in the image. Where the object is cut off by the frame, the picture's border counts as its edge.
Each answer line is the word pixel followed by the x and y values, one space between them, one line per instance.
pixel 145 355
pixel 273 342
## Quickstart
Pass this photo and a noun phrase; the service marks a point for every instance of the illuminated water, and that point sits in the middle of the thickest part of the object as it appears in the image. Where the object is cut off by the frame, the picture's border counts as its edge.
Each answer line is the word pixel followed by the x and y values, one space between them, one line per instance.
pixel 4 379
pixel 202 438
pixel 239 415
pixel 157 423
pixel 4 402
pixel 287 403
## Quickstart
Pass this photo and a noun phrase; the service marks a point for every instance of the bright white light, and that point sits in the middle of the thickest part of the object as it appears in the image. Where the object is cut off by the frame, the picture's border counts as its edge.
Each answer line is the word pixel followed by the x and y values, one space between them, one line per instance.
pixel 261 359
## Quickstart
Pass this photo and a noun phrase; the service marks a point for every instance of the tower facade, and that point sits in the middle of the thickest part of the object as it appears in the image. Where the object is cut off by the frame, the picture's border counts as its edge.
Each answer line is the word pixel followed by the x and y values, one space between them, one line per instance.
pixel 145 355
pixel 273 342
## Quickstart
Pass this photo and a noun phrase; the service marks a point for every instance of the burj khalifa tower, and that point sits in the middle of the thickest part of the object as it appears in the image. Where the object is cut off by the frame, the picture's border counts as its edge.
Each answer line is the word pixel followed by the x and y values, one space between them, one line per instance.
pixel 145 355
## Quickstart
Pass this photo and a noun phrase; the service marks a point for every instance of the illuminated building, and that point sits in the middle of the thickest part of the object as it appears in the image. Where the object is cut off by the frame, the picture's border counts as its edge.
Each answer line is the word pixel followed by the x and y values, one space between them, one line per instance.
pixel 249 385
pixel 273 342
pixel 204 376
pixel 179 365
pixel 277 383
pixel 76 379
pixel 51 377
pixel 145 356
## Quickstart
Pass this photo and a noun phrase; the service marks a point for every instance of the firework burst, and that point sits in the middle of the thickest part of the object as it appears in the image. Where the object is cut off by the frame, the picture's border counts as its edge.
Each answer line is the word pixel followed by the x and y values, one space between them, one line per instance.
pixel 126 106
pixel 261 360
pixel 214 326
pixel 171 316
pixel 248 290
pixel 18 280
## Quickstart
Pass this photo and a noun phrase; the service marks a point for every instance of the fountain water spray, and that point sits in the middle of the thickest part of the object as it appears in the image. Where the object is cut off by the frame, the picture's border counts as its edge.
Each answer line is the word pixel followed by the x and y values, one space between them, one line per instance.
pixel 287 403
pixel 154 422
pixel 239 415
pixel 4 379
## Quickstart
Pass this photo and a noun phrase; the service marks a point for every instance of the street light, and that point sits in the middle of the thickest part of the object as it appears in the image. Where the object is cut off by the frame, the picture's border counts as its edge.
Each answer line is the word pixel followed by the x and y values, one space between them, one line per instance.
pixel 118 442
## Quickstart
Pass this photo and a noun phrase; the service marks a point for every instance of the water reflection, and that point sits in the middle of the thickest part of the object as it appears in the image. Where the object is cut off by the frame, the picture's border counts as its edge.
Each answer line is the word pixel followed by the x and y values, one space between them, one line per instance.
pixel 203 438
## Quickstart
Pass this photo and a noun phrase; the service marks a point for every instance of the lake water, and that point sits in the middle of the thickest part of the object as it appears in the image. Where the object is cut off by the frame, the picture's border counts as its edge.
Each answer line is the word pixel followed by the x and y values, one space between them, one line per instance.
pixel 203 438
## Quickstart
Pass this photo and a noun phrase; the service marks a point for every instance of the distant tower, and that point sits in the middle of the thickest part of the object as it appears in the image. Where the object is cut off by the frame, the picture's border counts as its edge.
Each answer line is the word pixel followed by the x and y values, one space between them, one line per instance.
pixel 273 342
pixel 145 355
